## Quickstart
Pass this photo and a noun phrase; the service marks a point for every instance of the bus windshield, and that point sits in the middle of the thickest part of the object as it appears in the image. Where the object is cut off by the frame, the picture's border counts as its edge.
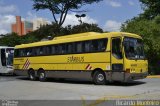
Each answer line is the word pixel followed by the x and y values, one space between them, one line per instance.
pixel 133 48
pixel 9 56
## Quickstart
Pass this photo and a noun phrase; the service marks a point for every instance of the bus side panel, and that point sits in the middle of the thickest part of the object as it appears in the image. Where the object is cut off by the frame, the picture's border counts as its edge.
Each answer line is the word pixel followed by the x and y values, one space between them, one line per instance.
pixel 93 61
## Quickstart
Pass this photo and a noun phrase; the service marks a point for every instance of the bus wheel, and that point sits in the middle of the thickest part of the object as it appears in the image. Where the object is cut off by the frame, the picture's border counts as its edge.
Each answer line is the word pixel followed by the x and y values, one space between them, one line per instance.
pixel 42 76
pixel 31 75
pixel 99 78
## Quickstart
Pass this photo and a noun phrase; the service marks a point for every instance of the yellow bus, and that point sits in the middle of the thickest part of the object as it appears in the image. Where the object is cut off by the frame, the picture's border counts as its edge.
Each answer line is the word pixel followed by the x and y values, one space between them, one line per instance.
pixel 100 57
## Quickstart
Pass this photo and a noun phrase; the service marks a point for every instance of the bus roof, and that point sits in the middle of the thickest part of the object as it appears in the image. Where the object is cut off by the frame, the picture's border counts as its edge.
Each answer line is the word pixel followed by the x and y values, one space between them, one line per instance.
pixel 78 37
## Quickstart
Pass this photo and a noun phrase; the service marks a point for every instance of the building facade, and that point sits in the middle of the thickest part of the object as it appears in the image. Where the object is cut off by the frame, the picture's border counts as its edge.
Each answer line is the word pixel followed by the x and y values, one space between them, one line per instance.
pixel 28 26
pixel 37 23
pixel 18 27
pixel 24 27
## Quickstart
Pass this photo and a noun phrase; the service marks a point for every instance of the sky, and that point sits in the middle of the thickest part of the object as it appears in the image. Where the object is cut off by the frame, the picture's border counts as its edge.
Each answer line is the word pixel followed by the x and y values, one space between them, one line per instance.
pixel 108 14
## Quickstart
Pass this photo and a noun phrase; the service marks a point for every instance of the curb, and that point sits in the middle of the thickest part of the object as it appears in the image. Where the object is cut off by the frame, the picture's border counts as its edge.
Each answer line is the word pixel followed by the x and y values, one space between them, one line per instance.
pixel 154 76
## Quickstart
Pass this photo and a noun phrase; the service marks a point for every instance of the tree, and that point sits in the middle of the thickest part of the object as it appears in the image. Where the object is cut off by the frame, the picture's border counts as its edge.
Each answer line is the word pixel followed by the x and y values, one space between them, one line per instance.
pixel 151 8
pixel 51 30
pixel 10 40
pixel 85 27
pixel 61 7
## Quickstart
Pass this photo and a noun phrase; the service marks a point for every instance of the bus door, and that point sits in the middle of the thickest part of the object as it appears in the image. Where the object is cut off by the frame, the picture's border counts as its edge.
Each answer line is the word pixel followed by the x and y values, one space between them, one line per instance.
pixel 9 56
pixel 3 57
pixel 117 62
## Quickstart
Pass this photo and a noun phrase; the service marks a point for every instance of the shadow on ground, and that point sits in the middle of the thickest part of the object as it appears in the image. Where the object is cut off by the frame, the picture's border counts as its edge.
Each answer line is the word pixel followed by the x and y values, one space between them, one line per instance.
pixel 80 81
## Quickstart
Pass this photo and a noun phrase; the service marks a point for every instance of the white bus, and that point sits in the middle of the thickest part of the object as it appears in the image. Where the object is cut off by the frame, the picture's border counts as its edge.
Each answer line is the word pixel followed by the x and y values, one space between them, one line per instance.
pixel 6 60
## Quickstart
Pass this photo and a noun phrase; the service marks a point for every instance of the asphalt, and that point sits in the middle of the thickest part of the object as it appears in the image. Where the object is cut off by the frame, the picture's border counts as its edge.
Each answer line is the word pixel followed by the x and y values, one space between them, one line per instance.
pixel 21 88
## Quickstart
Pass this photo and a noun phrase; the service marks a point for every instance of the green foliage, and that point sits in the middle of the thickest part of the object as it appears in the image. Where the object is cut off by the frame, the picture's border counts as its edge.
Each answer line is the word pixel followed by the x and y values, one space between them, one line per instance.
pixel 151 8
pixel 150 31
pixel 61 7
pixel 10 40
pixel 85 27
pixel 51 30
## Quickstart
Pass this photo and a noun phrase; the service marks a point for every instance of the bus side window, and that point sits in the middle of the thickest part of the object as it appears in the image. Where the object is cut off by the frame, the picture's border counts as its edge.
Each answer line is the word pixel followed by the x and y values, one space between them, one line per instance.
pixel 94 46
pixel 53 50
pixel 33 51
pixel 74 47
pixel 48 50
pixel 63 48
pixel 80 47
pixel 29 52
pixel 37 51
pixel 22 52
pixel 102 44
pixel 69 48
pixel 42 50
pixel 87 46
pixel 57 49
pixel 116 48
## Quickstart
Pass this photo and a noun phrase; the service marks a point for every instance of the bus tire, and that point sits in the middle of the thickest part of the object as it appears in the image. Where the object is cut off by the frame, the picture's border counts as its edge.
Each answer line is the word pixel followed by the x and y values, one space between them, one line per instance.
pixel 99 78
pixel 42 76
pixel 32 75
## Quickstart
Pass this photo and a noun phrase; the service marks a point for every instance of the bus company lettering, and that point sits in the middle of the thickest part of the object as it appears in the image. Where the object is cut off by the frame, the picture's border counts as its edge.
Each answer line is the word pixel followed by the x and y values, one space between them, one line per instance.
pixel 73 59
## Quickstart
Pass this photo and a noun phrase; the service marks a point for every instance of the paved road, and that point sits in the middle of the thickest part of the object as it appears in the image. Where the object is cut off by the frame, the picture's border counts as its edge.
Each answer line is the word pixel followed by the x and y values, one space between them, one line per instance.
pixel 20 88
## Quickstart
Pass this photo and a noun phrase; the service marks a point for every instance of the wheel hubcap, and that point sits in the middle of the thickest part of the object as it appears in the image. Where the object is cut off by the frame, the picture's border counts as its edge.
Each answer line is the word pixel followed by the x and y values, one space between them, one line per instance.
pixel 100 77
pixel 31 75
pixel 41 75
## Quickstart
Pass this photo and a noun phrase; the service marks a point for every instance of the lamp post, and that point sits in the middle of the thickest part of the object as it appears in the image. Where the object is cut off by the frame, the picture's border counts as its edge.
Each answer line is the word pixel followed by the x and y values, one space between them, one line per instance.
pixel 80 17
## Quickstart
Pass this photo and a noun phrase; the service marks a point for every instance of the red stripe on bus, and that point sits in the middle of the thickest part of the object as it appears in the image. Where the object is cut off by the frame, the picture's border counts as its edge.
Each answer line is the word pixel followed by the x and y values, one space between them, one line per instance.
pixel 90 67
pixel 27 64
pixel 87 66
pixel 24 64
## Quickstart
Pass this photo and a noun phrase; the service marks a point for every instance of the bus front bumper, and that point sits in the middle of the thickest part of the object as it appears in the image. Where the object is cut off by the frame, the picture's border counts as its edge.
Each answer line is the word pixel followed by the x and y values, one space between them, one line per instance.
pixel 135 76
pixel 124 77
